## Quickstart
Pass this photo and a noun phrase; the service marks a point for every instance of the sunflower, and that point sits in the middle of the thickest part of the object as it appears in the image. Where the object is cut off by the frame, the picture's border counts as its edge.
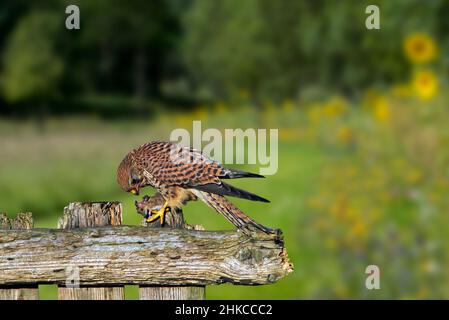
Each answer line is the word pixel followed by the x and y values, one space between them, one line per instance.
pixel 425 84
pixel 420 48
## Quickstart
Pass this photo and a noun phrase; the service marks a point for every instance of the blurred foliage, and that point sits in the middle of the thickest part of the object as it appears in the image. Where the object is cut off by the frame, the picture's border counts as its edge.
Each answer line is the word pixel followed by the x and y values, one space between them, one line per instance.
pixel 180 53
pixel 357 184
pixel 277 49
pixel 362 117
pixel 382 197
pixel 32 67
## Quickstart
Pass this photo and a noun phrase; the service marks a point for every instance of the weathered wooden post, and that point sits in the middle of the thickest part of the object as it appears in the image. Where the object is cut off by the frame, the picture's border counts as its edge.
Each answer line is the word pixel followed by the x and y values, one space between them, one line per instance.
pixel 22 221
pixel 173 219
pixel 166 263
pixel 83 215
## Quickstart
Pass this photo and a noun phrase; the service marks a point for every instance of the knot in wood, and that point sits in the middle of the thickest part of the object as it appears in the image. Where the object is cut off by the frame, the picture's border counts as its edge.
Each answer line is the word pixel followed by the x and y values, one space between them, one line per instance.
pixel 272 278
pixel 244 254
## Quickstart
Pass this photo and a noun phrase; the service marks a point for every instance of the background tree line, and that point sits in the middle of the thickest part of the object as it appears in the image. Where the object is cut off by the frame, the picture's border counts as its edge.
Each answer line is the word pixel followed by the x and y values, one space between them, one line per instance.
pixel 133 57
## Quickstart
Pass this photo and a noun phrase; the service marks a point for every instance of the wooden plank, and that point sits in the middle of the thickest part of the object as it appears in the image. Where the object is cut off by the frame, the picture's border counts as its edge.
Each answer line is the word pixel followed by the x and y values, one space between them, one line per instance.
pixel 173 219
pixel 23 221
pixel 82 215
pixel 91 214
pixel 172 293
pixel 120 255
pixel 91 293
pixel 19 294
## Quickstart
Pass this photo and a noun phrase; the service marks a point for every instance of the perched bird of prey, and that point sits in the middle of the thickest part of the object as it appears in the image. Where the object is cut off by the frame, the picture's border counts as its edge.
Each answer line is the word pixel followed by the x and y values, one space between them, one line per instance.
pixel 181 174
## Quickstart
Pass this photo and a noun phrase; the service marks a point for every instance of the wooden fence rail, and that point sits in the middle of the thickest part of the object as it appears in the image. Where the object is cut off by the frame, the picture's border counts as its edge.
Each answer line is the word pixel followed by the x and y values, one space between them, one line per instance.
pixel 92 256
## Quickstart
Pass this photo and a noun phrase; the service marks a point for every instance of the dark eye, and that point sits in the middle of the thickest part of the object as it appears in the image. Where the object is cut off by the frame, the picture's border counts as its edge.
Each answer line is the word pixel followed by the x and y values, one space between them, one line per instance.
pixel 135 178
pixel 136 181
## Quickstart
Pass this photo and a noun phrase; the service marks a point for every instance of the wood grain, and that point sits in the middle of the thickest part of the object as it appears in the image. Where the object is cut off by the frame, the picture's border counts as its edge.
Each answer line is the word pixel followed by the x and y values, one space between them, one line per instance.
pixel 91 214
pixel 111 256
pixel 174 218
pixel 82 215
pixel 91 293
pixel 22 221
pixel 19 294
pixel 172 293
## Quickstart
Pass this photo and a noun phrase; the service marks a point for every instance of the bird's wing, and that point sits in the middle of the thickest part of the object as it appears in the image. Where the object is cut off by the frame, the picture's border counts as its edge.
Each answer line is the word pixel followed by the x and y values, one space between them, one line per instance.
pixel 175 165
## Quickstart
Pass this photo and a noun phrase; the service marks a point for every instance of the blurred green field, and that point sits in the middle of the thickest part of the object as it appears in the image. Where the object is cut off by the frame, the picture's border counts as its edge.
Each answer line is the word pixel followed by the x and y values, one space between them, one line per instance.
pixel 355 186
pixel 76 164
pixel 362 116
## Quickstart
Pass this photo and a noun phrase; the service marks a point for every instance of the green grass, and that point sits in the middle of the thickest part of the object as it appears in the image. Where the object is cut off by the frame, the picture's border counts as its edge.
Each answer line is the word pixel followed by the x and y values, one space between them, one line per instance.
pixel 284 212
pixel 329 244
pixel 42 172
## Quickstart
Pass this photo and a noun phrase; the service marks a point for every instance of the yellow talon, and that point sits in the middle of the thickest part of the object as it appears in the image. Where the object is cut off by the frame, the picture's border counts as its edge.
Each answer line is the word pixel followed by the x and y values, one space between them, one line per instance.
pixel 159 214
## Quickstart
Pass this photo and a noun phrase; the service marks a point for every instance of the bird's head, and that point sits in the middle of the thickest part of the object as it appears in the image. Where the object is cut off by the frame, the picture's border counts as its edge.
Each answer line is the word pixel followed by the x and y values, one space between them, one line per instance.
pixel 129 177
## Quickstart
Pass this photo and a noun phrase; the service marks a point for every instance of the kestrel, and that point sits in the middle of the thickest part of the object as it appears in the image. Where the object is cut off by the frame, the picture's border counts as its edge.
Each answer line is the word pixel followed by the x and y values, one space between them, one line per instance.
pixel 181 174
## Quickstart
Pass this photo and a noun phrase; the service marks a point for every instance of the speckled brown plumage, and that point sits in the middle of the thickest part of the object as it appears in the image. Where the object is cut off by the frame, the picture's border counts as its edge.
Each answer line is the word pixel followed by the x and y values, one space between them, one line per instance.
pixel 182 174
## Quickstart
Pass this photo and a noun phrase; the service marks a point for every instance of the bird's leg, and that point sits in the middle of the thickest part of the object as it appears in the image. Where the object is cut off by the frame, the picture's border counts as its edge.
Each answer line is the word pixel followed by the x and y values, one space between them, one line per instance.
pixel 159 214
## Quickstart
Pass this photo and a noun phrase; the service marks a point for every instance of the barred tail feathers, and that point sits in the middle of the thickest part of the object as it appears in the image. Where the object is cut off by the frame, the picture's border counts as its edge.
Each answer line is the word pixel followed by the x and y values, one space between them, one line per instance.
pixel 236 216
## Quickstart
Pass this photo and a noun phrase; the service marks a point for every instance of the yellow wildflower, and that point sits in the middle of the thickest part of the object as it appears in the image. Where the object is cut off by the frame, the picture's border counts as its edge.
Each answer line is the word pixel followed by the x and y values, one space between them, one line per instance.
pixel 422 293
pixel 369 97
pixel 335 107
pixel 344 134
pixel 420 48
pixel 314 113
pixel 316 202
pixel 378 105
pixel 381 109
pixel 290 134
pixel 401 90
pixel 221 108
pixel 413 176
pixel 288 106
pixel 184 119
pixel 425 84
pixel 359 229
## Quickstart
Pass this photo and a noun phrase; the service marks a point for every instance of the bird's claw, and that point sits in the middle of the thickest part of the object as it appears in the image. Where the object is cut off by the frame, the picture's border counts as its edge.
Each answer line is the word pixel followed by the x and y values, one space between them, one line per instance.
pixel 154 215
pixel 159 214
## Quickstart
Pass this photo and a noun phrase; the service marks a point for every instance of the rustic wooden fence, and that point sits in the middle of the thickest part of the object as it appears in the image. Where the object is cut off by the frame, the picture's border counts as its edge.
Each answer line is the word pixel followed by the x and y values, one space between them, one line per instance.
pixel 92 256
